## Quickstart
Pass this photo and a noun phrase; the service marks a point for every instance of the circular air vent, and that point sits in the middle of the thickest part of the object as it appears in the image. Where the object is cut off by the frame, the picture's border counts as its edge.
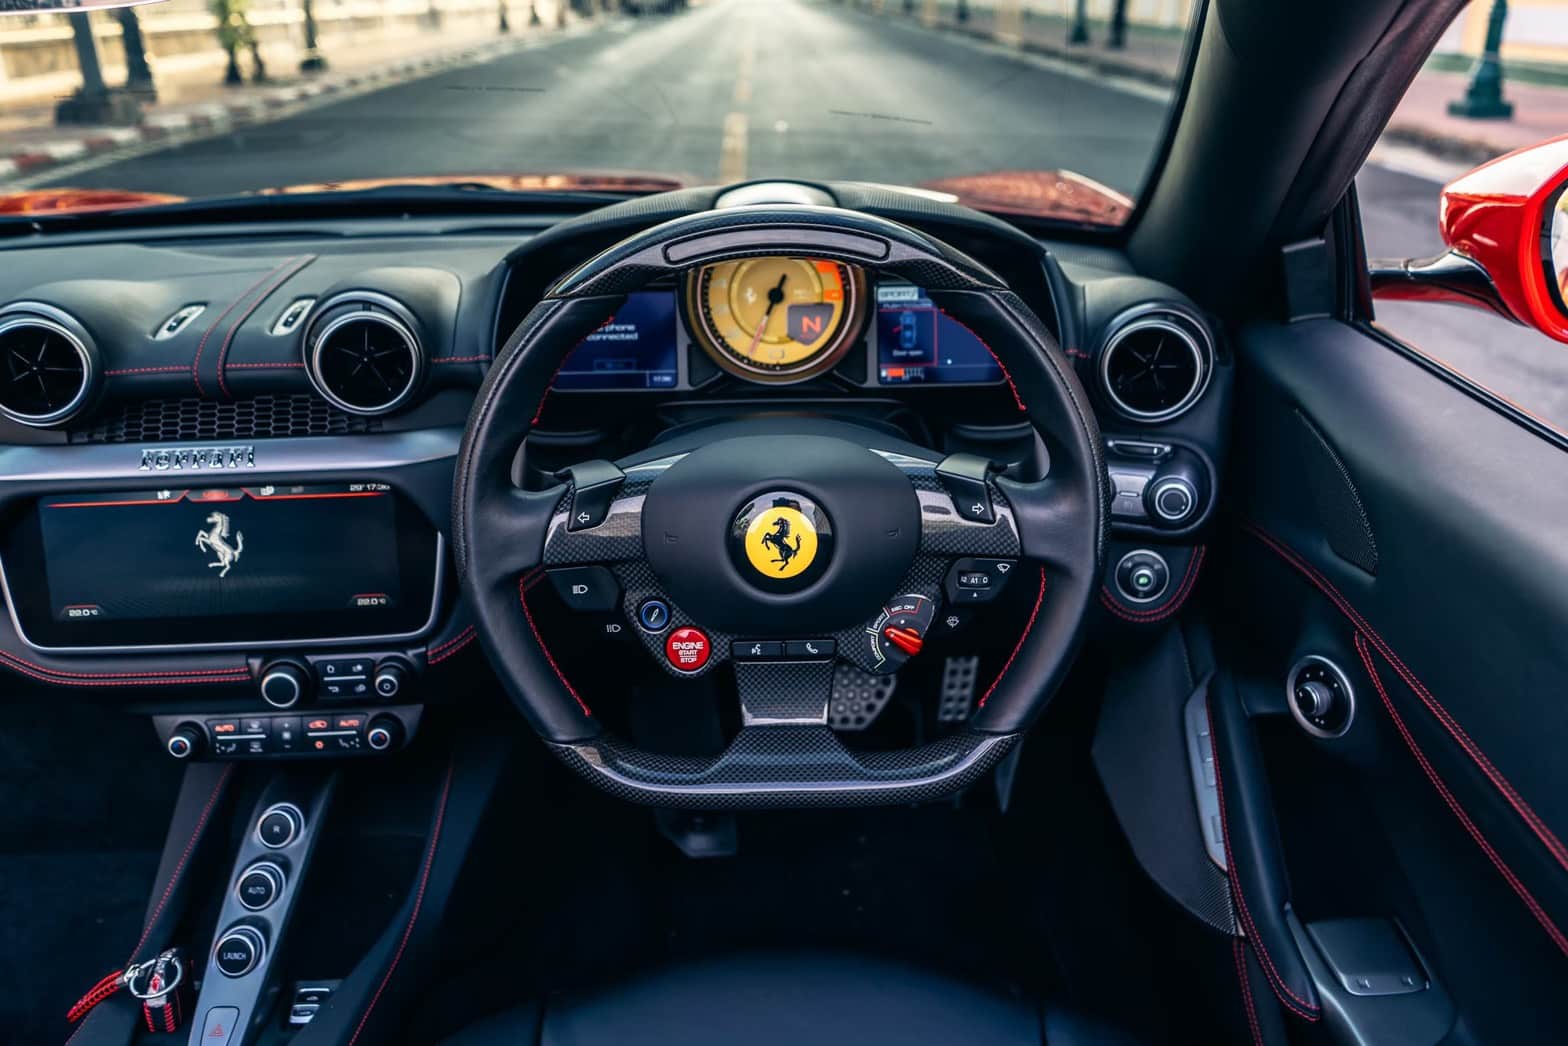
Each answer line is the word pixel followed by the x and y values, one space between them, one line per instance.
pixel 1155 365
pixel 48 365
pixel 363 355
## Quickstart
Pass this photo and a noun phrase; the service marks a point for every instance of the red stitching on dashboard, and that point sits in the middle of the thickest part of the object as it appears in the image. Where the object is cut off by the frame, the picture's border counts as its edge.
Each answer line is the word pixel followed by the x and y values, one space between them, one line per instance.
pixel 1038 600
pixel 419 901
pixel 228 339
pixel 523 584
pixel 1291 1001
pixel 173 673
pixel 196 362
pixel 262 366
pixel 1363 649
pixel 174 876
pixel 145 370
pixel 455 645
pixel 54 678
pixel 1246 990
pixel 1160 613
pixel 1522 808
pixel 461 359
pixel 1012 387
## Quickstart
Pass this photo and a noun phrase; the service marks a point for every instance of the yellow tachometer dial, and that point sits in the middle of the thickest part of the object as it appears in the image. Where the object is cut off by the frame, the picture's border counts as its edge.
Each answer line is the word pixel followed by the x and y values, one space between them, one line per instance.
pixel 776 319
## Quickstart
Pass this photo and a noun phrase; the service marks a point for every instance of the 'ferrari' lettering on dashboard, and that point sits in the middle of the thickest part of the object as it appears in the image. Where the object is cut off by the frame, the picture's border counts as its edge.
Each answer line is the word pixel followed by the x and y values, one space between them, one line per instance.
pixel 211 459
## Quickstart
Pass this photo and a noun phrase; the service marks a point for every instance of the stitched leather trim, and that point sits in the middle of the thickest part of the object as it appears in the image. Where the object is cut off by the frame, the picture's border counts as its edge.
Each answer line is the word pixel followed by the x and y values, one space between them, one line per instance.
pixel 190 844
pixel 1289 999
pixel 1364 649
pixel 1188 580
pixel 249 310
pixel 419 901
pixel 202 345
pixel 60 677
pixel 1471 749
pixel 524 583
pixel 441 651
pixel 1238 949
pixel 1039 599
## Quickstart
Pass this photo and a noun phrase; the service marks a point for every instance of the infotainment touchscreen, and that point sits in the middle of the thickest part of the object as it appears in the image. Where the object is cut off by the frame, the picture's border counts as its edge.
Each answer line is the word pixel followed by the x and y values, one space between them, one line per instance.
pixel 220 565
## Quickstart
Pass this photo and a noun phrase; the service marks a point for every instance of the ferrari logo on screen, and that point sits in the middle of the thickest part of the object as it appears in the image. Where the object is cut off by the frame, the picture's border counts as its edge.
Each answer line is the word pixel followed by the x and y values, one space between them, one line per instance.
pixel 215 542
pixel 781 542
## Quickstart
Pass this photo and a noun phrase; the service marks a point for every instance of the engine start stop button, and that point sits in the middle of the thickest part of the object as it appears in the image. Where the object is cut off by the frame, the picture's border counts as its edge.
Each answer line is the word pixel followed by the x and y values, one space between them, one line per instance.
pixel 688 649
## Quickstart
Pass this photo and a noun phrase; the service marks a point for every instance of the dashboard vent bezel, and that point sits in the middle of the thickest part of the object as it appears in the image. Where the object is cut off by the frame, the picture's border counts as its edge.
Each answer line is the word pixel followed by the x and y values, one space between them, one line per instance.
pixel 355 307
pixel 60 324
pixel 1192 334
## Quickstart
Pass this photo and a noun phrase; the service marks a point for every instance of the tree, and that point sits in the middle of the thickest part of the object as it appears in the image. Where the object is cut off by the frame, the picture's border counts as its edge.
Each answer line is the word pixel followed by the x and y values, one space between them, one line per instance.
pixel 138 74
pixel 236 32
pixel 1118 36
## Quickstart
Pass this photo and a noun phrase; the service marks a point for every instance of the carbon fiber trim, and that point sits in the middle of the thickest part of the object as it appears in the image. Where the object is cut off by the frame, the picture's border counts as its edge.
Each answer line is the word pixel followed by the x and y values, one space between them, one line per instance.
pixel 787 766
pixel 776 693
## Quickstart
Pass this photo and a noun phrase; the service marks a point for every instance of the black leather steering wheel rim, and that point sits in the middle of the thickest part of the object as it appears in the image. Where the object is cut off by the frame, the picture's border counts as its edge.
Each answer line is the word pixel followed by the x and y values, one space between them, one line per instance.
pixel 499 530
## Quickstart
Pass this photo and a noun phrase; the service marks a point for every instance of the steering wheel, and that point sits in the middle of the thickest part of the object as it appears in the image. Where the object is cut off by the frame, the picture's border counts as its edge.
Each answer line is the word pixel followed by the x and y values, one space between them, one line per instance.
pixel 870 531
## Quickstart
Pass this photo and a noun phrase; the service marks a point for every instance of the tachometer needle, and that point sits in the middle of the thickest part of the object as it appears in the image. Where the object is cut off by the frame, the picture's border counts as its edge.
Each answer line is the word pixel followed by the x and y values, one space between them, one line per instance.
pixel 775 295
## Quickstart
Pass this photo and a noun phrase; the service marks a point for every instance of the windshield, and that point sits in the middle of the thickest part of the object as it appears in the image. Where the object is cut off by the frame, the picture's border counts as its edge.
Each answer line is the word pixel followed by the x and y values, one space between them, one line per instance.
pixel 1050 108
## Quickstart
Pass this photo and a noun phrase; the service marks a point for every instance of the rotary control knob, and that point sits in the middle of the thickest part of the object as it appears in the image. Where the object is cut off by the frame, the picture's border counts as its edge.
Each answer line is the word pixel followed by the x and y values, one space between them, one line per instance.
pixel 284 684
pixel 386 731
pixel 899 631
pixel 186 741
pixel 1321 697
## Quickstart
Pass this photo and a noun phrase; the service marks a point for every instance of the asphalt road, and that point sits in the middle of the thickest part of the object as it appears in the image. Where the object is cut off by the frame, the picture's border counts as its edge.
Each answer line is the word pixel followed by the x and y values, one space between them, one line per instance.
pixel 728 90
pixel 741 89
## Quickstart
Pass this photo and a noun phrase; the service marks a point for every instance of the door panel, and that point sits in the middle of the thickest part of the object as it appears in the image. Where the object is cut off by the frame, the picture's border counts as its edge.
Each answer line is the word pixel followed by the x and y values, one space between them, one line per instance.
pixel 1420 539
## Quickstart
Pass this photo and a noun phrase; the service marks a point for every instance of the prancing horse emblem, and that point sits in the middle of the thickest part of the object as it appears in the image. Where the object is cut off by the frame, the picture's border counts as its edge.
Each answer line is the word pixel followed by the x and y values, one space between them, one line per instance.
pixel 215 539
pixel 778 541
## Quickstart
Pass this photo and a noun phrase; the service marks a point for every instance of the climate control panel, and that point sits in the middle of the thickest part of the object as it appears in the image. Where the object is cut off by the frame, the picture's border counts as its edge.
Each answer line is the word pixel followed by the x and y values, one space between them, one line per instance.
pixel 315 733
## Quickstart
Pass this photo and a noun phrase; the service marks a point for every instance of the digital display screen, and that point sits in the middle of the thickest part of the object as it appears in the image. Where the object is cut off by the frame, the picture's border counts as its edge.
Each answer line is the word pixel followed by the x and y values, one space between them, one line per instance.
pixel 919 344
pixel 634 349
pixel 221 564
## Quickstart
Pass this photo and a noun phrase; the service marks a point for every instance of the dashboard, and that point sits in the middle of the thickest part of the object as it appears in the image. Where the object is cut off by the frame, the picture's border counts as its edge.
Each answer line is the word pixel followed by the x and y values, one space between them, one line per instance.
pixel 226 458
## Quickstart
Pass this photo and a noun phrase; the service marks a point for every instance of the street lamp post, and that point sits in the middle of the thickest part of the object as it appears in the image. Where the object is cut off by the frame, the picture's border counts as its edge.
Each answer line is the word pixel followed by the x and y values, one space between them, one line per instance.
pixel 138 74
pixel 1080 30
pixel 1484 99
pixel 314 61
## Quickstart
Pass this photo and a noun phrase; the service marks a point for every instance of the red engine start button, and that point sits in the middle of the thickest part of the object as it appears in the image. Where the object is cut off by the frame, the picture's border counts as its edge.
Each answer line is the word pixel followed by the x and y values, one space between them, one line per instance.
pixel 688 649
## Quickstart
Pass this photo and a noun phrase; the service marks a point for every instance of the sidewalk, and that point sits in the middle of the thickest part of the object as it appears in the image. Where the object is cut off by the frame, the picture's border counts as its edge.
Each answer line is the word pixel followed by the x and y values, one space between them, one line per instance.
pixel 194 103
pixel 1155 56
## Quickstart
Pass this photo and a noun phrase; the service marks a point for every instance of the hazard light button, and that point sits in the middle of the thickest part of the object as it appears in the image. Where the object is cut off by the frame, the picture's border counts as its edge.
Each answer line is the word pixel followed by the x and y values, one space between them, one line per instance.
pixel 218 1027
pixel 688 649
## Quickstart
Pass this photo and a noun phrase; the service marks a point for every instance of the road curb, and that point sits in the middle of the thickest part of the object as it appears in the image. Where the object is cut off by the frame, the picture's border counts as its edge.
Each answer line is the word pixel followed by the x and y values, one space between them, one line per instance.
pixel 1441 145
pixel 204 119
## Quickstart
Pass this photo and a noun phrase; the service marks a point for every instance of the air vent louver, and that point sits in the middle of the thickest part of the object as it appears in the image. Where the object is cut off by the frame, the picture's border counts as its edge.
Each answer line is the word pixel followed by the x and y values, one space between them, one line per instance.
pixel 47 367
pixel 364 356
pixel 1155 366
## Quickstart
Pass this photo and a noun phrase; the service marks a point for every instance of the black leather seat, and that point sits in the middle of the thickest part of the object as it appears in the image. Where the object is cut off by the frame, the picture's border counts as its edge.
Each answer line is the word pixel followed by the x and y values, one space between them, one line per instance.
pixel 790 1000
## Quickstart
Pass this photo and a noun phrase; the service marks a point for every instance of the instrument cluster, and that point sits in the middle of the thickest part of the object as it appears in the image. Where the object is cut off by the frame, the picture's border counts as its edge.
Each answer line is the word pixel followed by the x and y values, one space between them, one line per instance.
pixel 778 321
